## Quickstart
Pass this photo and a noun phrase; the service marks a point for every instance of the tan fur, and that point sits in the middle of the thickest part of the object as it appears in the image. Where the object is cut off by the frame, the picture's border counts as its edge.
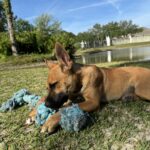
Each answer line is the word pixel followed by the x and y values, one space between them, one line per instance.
pixel 118 80
pixel 94 84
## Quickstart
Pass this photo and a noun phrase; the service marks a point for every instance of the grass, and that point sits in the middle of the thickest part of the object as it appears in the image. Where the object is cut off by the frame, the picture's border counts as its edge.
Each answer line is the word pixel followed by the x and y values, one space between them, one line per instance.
pixel 23 59
pixel 105 48
pixel 118 125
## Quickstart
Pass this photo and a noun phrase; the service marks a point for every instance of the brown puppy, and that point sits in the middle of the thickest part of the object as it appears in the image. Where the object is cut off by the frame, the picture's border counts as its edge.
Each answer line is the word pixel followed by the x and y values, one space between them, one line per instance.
pixel 67 80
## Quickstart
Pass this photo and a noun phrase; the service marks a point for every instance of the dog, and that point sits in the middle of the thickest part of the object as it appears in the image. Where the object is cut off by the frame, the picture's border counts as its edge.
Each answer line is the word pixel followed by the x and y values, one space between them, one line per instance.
pixel 68 80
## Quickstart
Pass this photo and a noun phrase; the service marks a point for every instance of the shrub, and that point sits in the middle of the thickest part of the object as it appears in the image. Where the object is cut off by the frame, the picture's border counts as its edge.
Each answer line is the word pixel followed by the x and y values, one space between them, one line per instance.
pixel 26 42
pixel 67 39
pixel 5 47
pixel 37 42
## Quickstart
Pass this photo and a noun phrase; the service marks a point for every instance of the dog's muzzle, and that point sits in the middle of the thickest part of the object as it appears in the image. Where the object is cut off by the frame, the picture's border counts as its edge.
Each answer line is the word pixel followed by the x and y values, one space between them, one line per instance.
pixel 57 101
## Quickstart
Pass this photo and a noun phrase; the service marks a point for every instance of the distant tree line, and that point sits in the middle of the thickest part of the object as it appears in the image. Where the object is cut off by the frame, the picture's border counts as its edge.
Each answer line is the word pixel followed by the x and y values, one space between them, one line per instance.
pixel 41 37
pixel 98 33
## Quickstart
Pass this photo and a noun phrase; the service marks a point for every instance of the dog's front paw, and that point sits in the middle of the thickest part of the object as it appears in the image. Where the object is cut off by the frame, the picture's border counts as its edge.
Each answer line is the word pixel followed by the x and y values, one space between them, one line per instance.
pixel 47 128
pixel 30 121
pixel 51 124
pixel 31 118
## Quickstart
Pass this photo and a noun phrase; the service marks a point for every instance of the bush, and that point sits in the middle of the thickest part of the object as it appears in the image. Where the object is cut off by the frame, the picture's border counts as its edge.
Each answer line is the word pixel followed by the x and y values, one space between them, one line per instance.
pixel 5 47
pixel 67 39
pixel 37 42
pixel 26 43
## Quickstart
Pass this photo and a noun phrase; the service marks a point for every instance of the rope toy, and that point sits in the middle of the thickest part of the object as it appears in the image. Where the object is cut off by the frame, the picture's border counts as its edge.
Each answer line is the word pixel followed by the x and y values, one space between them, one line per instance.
pixel 72 118
pixel 18 99
pixel 43 113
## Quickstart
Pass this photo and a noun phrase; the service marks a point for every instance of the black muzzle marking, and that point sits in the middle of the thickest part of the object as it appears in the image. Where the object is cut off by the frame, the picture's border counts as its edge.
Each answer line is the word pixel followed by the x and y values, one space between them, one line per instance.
pixel 57 101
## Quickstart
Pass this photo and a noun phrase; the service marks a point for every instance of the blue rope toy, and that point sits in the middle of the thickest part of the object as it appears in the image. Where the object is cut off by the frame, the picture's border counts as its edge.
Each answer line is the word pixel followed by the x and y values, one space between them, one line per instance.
pixel 18 99
pixel 72 118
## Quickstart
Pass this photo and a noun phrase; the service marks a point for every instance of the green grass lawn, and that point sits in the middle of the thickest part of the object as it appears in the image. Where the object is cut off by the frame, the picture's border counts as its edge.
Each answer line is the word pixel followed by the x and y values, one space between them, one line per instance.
pixel 23 59
pixel 118 125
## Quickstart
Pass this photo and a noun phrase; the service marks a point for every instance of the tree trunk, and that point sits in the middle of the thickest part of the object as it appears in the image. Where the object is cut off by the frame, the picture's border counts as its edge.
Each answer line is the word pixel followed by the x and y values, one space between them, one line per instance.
pixel 9 16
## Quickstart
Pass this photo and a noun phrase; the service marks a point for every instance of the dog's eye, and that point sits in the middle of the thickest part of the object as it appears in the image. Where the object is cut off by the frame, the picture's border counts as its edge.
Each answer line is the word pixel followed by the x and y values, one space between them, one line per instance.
pixel 53 85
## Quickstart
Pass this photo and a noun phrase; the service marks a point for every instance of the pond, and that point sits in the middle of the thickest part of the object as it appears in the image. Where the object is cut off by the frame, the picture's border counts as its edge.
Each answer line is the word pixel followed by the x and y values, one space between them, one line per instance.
pixel 127 54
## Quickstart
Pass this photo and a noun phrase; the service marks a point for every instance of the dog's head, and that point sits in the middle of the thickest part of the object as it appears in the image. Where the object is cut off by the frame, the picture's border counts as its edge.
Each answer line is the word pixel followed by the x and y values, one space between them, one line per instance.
pixel 61 79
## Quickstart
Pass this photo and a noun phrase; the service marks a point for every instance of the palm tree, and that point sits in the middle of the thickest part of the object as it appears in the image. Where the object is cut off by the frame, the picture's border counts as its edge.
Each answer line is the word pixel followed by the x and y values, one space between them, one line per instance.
pixel 9 16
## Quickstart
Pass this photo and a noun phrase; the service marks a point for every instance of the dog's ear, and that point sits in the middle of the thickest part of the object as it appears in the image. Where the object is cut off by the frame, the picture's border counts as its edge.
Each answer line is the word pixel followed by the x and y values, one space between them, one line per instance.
pixel 50 64
pixel 62 56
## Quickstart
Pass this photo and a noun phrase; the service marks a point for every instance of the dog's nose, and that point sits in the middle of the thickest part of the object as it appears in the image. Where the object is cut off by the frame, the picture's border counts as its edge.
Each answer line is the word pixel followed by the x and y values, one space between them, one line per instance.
pixel 47 104
pixel 50 102
pixel 57 101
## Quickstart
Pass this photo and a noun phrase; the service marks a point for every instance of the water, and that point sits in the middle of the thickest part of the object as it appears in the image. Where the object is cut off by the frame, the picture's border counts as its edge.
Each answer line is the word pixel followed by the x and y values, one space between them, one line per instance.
pixel 127 54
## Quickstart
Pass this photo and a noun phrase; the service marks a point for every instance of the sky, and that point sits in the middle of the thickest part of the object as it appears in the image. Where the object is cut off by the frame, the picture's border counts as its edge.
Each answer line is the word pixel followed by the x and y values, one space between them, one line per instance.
pixel 80 15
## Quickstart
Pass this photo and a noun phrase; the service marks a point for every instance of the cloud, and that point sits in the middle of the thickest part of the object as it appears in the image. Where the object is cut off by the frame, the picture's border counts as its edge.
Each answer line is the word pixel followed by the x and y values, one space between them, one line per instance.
pixel 113 3
pixel 87 6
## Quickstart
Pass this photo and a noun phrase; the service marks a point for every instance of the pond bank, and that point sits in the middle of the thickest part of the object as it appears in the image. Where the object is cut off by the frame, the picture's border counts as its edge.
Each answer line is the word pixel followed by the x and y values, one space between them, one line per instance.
pixel 106 48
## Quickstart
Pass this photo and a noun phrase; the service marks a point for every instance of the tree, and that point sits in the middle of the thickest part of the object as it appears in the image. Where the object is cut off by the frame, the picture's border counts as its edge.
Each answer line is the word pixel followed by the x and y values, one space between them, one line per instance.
pixel 96 30
pixel 112 29
pixel 3 21
pixel 93 37
pixel 9 16
pixel 45 26
pixel 21 25
pixel 127 27
pixel 98 33
pixel 67 39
